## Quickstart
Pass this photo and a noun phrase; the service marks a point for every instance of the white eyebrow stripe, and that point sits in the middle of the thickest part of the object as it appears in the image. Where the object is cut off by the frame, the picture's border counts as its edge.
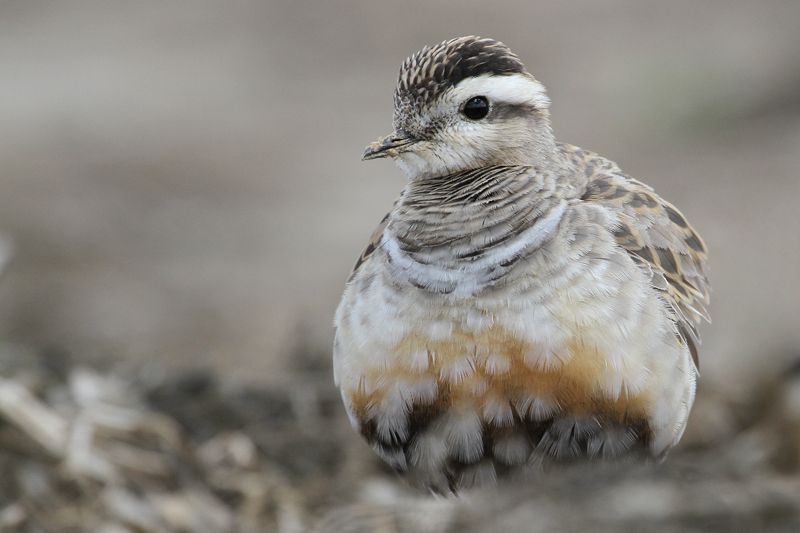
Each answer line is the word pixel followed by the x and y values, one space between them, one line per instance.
pixel 514 89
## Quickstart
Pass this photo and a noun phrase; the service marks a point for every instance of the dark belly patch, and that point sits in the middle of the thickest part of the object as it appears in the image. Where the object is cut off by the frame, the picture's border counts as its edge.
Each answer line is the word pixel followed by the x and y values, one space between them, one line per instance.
pixel 505 449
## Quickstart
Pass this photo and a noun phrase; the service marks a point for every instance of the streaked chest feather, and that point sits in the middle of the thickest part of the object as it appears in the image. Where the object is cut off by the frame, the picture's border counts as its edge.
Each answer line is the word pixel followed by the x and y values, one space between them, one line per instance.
pixel 465 267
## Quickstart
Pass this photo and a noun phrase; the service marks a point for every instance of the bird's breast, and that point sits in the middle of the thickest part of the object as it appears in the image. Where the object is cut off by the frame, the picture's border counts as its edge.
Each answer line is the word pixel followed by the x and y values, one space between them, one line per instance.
pixel 500 376
pixel 561 359
pixel 463 391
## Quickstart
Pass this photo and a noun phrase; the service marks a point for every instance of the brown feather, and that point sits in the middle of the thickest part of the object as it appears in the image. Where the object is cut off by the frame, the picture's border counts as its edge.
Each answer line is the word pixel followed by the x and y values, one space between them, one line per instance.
pixel 657 235
pixel 374 242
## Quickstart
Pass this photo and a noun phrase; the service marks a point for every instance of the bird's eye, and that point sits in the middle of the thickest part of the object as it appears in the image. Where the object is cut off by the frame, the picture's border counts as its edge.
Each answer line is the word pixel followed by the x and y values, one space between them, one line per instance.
pixel 476 108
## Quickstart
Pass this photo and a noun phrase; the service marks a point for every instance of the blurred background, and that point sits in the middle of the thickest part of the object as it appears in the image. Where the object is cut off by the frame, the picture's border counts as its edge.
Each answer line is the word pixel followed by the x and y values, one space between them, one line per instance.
pixel 182 187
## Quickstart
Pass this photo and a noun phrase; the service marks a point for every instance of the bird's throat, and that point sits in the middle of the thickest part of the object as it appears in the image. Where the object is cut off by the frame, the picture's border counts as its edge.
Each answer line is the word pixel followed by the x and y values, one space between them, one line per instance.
pixel 462 233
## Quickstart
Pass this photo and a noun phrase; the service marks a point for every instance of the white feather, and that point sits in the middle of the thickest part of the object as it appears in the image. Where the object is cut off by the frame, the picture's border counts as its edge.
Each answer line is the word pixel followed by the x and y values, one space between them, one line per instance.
pixel 513 89
pixel 464 436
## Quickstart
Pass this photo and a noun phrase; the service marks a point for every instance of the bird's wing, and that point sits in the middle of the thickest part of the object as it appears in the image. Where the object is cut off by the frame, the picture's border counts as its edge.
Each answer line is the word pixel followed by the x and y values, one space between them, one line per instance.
pixel 659 239
pixel 374 242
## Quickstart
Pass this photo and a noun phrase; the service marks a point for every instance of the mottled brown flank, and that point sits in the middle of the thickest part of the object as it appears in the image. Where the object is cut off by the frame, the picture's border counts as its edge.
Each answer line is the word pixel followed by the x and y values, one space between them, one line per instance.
pixel 572 388
pixel 374 242
pixel 598 187
pixel 676 217
pixel 644 253
pixel 624 235
pixel 696 243
pixel 642 199
pixel 427 73
pixel 676 270
pixel 667 261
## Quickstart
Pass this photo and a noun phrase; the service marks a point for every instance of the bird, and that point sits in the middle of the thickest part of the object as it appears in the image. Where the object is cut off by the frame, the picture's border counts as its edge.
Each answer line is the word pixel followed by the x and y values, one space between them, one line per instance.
pixel 524 302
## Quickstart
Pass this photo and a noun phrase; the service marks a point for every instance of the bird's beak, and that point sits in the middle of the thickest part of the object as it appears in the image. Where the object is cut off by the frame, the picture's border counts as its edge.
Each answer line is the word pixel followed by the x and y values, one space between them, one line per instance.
pixel 388 146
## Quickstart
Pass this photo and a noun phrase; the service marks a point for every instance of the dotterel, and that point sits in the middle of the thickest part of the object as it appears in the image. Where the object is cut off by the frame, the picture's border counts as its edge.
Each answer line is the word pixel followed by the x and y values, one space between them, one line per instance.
pixel 524 301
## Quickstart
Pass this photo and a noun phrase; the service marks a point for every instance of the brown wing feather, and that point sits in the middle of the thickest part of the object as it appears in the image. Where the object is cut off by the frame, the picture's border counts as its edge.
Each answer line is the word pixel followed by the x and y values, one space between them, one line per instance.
pixel 660 239
pixel 374 242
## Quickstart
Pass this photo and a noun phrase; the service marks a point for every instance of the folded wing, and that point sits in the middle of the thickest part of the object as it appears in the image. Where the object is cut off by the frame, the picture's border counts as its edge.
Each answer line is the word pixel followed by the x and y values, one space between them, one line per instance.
pixel 659 238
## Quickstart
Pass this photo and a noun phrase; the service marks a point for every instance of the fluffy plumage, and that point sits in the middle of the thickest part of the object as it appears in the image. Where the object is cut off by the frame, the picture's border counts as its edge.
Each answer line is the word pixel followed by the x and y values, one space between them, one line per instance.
pixel 524 301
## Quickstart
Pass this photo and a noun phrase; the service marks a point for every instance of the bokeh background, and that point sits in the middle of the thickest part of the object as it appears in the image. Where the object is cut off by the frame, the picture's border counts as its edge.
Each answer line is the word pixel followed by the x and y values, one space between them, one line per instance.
pixel 182 184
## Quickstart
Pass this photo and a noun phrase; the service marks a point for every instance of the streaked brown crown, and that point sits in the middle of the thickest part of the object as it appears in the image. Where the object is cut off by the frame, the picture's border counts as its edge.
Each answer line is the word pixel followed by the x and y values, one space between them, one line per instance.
pixel 432 70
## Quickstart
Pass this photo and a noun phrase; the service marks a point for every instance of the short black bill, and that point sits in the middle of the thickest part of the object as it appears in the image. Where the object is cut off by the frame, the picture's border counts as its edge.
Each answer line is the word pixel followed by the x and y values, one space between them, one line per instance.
pixel 388 146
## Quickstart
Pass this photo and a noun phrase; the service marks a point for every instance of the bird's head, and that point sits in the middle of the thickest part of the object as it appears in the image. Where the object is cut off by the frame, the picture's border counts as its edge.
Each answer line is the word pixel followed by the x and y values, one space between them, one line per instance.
pixel 466 103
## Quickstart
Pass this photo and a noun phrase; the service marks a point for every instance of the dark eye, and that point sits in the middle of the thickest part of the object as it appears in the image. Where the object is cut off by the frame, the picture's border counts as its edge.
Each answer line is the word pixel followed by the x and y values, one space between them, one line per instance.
pixel 476 107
